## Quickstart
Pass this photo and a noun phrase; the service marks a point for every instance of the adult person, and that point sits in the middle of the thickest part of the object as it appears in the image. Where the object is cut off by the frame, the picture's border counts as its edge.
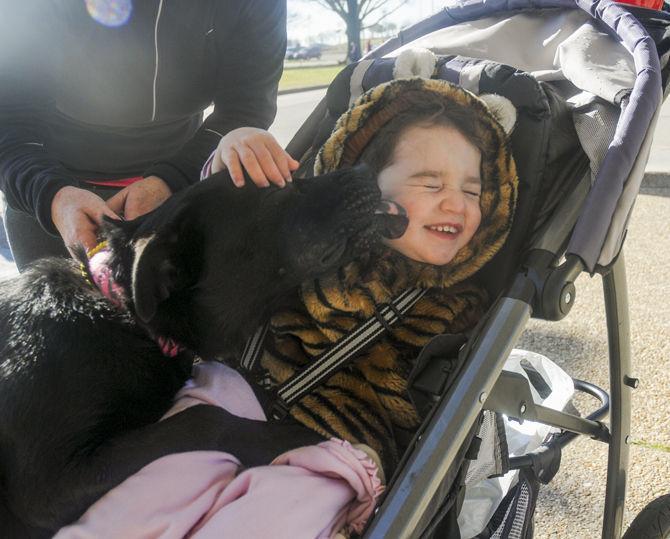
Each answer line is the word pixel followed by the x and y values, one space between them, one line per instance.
pixel 103 100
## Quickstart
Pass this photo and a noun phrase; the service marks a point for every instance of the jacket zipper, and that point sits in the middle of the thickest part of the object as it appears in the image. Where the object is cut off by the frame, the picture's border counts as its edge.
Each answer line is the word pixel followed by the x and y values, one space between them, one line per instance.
pixel 155 97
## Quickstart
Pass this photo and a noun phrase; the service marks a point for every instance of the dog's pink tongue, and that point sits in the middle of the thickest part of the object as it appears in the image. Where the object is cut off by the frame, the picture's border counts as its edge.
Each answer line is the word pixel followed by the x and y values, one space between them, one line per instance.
pixel 391 218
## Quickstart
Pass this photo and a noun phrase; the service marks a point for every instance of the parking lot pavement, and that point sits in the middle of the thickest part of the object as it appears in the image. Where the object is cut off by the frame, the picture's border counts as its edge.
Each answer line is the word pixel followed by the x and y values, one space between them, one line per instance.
pixel 292 111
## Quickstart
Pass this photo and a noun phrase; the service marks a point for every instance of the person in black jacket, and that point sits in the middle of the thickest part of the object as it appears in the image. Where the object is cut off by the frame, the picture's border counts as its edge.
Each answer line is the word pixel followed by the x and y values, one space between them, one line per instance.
pixel 104 101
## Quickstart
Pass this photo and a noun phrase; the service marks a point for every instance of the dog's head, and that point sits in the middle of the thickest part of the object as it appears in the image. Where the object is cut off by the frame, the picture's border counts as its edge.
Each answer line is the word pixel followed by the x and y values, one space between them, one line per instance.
pixel 210 263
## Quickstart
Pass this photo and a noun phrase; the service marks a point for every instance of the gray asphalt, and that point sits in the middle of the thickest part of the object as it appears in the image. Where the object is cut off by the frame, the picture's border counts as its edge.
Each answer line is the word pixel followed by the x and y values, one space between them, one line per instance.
pixel 571 506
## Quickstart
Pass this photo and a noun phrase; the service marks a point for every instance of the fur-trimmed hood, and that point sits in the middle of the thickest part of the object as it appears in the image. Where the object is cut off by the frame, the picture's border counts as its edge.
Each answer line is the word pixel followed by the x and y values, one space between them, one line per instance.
pixel 368 401
pixel 369 113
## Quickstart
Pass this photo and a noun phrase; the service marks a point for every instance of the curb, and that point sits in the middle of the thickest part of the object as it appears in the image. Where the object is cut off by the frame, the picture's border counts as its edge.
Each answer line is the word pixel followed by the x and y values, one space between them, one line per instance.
pixel 302 89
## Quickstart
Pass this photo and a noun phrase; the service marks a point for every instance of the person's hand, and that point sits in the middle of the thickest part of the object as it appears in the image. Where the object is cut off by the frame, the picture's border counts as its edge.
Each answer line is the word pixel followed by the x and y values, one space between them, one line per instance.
pixel 77 214
pixel 259 153
pixel 140 197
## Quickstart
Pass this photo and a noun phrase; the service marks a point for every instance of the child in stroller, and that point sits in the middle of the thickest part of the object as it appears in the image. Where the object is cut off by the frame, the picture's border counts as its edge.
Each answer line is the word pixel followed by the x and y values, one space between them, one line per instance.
pixel 441 155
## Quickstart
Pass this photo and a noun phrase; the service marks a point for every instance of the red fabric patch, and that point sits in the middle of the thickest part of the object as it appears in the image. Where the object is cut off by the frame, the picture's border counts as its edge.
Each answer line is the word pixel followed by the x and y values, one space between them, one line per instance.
pixel 123 182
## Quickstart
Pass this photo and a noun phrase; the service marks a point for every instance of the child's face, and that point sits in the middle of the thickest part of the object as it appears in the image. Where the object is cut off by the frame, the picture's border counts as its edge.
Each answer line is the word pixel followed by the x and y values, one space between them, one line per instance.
pixel 435 176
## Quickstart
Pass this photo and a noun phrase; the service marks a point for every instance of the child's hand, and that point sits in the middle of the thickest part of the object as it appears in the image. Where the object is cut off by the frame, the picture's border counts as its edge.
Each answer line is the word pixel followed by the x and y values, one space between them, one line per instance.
pixel 258 152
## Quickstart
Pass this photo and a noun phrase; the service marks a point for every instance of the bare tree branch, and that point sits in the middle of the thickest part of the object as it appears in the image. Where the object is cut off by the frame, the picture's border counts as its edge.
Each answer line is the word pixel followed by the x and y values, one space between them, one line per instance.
pixel 366 6
pixel 335 5
pixel 375 7
pixel 354 13
pixel 362 4
pixel 383 16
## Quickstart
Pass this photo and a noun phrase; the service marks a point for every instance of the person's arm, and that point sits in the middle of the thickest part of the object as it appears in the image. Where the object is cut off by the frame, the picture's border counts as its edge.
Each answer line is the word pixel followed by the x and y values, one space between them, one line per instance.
pixel 34 181
pixel 250 40
pixel 29 176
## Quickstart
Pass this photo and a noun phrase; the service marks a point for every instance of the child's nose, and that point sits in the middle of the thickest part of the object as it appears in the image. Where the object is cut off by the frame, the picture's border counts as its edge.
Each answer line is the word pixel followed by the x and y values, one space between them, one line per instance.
pixel 453 201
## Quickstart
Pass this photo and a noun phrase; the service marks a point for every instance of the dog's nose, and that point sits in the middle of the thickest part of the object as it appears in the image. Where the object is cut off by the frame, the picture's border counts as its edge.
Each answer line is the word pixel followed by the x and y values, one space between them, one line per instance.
pixel 391 218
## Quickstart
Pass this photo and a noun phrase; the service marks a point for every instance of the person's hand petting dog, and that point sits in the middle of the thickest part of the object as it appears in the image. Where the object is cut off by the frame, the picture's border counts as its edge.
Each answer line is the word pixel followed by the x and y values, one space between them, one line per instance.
pixel 140 197
pixel 77 214
pixel 258 152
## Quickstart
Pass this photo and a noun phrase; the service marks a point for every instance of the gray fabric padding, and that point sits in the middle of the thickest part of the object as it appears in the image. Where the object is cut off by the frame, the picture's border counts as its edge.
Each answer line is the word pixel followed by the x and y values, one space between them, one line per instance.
pixel 356 81
pixel 469 77
pixel 617 230
pixel 595 123
pixel 551 45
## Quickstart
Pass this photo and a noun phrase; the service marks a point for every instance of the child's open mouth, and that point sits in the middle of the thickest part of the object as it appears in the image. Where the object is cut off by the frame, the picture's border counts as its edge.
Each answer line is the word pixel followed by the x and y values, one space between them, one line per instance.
pixel 445 231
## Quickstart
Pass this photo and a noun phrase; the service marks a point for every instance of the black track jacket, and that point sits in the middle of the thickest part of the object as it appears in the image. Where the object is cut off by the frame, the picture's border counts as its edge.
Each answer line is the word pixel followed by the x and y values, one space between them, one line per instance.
pixel 83 100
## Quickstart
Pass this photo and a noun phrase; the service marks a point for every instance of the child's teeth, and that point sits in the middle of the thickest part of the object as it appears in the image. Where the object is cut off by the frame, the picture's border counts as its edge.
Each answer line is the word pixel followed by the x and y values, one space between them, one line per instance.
pixel 450 229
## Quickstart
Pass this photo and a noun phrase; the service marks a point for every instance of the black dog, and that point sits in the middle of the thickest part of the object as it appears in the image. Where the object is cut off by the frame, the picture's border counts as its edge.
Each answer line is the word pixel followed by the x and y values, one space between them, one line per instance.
pixel 83 381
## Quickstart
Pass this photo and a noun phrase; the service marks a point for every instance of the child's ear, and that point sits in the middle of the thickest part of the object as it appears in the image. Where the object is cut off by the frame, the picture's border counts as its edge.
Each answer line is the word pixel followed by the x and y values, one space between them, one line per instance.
pixel 502 110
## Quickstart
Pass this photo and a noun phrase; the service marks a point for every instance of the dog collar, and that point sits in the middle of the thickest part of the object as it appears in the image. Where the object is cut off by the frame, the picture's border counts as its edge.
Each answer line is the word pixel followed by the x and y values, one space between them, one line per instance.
pixel 101 274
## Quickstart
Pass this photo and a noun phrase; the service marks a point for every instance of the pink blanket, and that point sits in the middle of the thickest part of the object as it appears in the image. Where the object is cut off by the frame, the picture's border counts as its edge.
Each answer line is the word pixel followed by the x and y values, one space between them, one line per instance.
pixel 310 492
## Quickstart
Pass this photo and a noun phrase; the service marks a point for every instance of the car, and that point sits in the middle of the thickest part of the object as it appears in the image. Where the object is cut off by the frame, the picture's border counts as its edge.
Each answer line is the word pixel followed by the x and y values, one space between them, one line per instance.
pixel 306 53
pixel 290 51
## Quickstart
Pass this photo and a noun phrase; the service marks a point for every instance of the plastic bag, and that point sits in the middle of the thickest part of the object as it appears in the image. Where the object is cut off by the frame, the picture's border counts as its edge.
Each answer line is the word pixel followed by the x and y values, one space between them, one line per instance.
pixel 554 389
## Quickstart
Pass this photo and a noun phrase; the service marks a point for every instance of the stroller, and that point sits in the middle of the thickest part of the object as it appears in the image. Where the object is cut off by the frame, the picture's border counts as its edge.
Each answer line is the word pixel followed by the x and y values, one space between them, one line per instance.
pixel 587 82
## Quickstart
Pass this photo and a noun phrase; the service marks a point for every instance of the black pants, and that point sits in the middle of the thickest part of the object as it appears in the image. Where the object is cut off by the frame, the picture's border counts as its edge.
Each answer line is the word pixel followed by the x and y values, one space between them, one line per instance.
pixel 28 241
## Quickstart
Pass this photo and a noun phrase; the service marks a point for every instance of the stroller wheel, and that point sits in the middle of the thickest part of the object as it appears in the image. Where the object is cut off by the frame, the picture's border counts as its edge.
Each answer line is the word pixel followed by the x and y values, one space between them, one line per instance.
pixel 653 522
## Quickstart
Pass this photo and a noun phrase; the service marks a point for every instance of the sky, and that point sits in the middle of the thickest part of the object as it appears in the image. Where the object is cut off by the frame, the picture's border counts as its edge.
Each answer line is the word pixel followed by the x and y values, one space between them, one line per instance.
pixel 309 22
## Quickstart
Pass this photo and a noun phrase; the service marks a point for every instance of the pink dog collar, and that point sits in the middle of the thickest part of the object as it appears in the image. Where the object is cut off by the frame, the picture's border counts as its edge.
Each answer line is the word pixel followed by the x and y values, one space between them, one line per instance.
pixel 101 273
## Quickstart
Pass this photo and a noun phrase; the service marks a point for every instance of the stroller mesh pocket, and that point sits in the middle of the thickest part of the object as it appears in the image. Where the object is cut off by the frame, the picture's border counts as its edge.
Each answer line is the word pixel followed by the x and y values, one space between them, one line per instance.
pixel 493 459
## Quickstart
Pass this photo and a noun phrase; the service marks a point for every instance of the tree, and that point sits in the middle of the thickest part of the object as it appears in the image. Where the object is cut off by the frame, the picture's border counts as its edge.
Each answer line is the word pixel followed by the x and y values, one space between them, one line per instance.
pixel 359 15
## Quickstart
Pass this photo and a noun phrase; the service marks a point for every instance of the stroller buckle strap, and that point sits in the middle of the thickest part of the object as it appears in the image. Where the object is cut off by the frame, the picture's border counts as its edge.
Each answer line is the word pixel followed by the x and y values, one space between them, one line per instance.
pixel 279 409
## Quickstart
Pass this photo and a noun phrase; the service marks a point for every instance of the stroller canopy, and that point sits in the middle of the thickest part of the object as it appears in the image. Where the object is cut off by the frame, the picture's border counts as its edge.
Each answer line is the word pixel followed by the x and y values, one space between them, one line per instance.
pixel 613 76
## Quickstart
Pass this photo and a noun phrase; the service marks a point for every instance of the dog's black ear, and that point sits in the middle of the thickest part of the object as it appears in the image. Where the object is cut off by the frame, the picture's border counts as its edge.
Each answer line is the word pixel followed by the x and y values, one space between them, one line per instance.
pixel 155 275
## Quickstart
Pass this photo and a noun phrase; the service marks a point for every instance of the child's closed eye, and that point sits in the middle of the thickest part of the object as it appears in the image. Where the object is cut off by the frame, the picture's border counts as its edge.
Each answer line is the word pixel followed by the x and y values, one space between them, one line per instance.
pixel 427 184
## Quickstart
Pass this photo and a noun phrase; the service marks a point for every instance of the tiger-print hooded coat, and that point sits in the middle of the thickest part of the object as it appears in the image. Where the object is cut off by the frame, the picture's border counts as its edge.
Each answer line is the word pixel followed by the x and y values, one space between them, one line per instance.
pixel 367 401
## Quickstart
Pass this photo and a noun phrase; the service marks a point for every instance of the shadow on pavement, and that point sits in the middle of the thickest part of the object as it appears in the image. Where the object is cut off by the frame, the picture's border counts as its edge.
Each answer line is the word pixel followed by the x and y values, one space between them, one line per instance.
pixel 655 191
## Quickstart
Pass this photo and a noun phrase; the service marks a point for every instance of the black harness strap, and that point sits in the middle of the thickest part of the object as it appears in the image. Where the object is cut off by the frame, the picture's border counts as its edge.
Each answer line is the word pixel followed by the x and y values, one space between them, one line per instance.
pixel 253 349
pixel 326 364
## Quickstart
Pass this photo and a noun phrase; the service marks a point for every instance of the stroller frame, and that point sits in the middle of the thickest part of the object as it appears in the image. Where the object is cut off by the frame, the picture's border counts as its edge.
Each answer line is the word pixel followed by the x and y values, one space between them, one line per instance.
pixel 542 288
pixel 480 387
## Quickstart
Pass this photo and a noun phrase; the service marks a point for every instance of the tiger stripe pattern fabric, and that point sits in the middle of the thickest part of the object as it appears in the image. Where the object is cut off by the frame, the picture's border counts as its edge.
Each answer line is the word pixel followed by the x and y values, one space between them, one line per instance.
pixel 367 401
